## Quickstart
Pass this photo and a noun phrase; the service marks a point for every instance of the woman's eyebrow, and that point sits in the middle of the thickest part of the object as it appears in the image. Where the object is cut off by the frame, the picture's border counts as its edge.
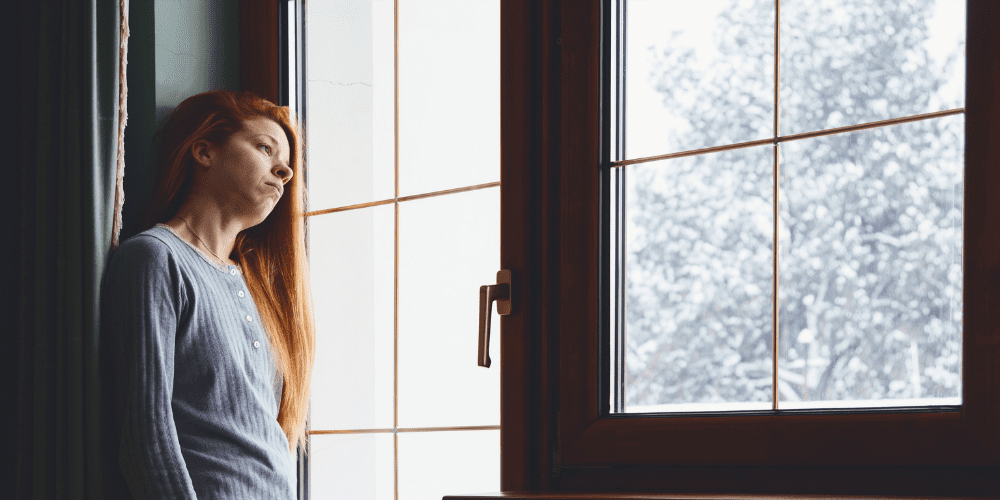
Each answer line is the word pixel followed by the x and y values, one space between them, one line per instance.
pixel 269 136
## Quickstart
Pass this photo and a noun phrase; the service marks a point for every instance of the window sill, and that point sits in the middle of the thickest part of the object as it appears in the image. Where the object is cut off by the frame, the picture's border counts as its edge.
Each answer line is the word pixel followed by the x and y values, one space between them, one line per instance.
pixel 541 495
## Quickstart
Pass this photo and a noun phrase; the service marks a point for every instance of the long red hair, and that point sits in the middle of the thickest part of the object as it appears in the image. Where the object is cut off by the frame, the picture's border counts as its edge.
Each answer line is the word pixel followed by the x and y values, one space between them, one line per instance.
pixel 272 254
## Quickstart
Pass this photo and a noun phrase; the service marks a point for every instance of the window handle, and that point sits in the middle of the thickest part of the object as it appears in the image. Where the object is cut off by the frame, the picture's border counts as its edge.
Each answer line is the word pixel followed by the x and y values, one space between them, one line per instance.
pixel 500 292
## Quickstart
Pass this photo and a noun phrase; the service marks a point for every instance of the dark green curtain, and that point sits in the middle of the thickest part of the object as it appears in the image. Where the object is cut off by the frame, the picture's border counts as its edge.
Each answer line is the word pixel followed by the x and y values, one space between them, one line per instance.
pixel 67 71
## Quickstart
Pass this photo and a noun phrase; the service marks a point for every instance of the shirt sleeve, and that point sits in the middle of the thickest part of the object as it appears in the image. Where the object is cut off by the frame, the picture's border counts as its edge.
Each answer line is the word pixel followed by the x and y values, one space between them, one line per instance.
pixel 140 307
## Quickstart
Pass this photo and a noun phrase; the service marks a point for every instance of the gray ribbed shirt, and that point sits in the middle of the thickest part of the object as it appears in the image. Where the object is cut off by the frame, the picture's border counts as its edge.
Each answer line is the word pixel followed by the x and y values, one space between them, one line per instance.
pixel 196 388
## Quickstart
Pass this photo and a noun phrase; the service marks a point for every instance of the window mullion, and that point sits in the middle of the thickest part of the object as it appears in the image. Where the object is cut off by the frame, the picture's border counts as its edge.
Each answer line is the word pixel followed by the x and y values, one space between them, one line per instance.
pixel 774 244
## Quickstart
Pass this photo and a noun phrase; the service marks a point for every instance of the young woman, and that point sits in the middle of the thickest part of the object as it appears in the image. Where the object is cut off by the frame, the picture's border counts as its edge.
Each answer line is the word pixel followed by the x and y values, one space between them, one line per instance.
pixel 209 309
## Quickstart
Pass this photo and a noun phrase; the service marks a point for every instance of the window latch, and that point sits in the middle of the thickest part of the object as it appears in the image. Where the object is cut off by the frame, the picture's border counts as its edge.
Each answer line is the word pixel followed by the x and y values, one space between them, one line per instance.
pixel 501 293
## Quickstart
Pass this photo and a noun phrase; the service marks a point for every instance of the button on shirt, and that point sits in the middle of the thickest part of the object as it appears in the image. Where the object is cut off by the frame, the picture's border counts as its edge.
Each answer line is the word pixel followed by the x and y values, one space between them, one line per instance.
pixel 197 392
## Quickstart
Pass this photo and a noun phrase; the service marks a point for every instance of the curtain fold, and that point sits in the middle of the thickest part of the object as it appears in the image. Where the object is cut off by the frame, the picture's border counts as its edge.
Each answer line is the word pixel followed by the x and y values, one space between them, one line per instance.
pixel 70 118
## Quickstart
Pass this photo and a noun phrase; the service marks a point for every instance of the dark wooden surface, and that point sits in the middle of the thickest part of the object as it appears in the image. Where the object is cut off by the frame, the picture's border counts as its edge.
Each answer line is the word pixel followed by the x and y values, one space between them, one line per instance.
pixel 981 321
pixel 521 125
pixel 579 221
pixel 529 131
pixel 542 495
pixel 259 46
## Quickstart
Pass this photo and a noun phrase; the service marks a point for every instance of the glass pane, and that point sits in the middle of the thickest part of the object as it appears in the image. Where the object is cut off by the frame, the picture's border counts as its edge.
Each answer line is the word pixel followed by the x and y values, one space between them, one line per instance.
pixel 448 247
pixel 700 73
pixel 846 62
pixel 349 86
pixel 699 241
pixel 871 267
pixel 351 260
pixel 449 94
pixel 435 464
pixel 355 466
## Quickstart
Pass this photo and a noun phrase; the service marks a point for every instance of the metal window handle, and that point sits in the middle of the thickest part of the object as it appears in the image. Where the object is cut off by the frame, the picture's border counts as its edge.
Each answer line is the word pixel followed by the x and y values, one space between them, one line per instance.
pixel 501 293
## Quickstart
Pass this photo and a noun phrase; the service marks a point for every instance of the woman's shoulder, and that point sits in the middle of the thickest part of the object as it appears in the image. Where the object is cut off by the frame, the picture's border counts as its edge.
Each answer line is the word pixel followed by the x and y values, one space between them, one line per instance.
pixel 149 244
pixel 145 259
pixel 143 274
pixel 150 251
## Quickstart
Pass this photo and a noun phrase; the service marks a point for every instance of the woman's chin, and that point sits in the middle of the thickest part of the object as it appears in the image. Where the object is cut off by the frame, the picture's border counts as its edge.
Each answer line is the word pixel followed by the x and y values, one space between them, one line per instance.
pixel 261 215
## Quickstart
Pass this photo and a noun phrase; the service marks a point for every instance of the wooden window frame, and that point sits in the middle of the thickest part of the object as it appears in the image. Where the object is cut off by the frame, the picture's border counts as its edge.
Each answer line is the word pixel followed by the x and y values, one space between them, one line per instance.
pixel 556 431
pixel 260 46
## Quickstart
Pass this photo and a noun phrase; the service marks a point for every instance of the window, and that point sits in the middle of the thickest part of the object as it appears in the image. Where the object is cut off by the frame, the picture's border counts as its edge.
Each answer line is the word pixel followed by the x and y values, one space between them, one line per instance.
pixel 563 434
pixel 402 145
pixel 853 137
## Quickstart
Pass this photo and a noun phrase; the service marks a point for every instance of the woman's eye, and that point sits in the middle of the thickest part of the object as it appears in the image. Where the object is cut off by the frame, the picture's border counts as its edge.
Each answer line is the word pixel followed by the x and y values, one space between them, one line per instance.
pixel 267 149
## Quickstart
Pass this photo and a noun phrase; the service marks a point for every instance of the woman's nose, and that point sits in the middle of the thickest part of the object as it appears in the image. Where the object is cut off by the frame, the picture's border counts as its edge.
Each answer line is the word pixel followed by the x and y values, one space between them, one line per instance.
pixel 283 172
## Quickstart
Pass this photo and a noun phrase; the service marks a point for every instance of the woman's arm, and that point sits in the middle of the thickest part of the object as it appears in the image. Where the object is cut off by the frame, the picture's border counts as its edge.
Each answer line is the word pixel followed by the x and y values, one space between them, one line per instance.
pixel 140 305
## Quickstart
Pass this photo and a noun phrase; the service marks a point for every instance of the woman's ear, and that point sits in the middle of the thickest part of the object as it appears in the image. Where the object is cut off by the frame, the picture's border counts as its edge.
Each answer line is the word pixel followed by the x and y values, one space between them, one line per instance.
pixel 201 151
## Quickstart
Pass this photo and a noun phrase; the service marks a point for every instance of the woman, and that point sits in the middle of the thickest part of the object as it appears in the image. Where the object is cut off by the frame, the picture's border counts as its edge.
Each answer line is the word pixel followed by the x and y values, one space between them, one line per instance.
pixel 209 309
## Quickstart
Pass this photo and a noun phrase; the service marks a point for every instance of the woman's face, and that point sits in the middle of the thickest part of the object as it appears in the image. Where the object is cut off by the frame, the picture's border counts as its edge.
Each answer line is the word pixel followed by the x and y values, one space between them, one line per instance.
pixel 248 173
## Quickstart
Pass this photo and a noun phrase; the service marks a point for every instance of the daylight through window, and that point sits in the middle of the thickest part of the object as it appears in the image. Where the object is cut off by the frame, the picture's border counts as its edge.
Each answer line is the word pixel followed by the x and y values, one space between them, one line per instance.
pixel 787 203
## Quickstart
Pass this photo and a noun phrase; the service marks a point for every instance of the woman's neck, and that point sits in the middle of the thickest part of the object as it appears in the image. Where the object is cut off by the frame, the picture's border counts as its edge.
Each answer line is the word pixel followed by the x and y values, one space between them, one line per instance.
pixel 205 232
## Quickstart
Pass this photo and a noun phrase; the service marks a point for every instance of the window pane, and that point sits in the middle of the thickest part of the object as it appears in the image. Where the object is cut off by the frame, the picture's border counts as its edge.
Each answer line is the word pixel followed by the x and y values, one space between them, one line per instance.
pixel 699 283
pixel 871 267
pixel 349 85
pixel 449 94
pixel 700 73
pixel 355 466
pixel 849 62
pixel 435 464
pixel 448 247
pixel 351 260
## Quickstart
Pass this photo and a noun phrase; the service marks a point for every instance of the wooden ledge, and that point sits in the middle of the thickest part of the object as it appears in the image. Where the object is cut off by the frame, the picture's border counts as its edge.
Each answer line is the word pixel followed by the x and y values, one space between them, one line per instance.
pixel 542 495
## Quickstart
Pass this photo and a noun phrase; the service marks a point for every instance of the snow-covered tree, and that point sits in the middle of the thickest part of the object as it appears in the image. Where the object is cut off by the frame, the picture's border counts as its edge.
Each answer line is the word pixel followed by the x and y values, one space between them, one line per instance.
pixel 870 221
